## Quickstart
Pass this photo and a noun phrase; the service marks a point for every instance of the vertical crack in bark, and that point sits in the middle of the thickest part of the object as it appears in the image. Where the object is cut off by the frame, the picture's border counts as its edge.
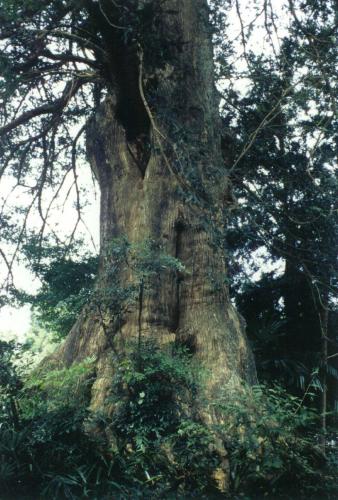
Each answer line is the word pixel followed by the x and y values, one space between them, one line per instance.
pixel 130 109
pixel 140 151
pixel 179 228
pixel 140 308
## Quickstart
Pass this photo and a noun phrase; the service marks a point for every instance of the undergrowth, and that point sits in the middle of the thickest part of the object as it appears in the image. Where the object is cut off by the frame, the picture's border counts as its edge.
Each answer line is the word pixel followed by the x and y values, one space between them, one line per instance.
pixel 155 444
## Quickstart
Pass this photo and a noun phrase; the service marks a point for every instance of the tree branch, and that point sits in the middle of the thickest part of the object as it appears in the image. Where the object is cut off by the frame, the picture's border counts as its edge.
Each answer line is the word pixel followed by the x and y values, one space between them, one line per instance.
pixel 68 57
pixel 70 90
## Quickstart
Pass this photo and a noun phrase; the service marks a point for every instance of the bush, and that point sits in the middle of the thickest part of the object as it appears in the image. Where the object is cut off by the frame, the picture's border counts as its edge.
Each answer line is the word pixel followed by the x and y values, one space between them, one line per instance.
pixel 273 445
pixel 158 437
pixel 161 440
pixel 155 445
pixel 44 449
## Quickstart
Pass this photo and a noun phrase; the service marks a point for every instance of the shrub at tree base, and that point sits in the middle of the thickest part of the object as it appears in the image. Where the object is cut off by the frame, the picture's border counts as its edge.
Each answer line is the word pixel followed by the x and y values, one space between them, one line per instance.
pixel 155 445
pixel 273 447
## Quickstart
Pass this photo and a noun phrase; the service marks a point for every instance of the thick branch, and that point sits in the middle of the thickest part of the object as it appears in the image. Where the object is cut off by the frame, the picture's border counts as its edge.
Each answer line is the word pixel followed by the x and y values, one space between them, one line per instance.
pixel 68 57
pixel 70 90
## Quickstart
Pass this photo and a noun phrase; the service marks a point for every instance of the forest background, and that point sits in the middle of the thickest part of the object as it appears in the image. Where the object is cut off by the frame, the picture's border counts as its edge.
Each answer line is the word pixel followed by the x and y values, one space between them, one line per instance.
pixel 277 81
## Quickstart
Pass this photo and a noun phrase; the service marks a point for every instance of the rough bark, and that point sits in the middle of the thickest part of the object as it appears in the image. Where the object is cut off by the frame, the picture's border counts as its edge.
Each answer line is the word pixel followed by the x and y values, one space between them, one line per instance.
pixel 161 176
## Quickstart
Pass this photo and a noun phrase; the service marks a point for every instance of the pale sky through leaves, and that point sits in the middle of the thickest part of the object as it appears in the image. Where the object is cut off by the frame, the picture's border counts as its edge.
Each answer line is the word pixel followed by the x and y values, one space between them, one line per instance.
pixel 18 320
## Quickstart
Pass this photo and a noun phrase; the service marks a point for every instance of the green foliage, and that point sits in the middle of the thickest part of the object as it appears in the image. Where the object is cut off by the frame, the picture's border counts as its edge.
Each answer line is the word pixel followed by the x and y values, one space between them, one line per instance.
pixel 161 441
pixel 44 449
pixel 39 341
pixel 10 381
pixel 130 271
pixel 156 444
pixel 146 258
pixel 288 191
pixel 67 276
pixel 51 454
pixel 9 378
pixel 66 288
pixel 46 391
pixel 68 284
pixel 273 447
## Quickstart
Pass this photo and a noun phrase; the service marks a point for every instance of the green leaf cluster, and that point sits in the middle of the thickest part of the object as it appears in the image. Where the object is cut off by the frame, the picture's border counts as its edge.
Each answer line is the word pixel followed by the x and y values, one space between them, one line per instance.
pixel 155 444
pixel 273 445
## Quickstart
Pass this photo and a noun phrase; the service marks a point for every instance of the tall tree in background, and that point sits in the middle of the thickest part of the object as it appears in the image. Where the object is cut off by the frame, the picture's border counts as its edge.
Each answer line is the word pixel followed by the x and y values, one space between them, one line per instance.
pixel 287 184
pixel 137 78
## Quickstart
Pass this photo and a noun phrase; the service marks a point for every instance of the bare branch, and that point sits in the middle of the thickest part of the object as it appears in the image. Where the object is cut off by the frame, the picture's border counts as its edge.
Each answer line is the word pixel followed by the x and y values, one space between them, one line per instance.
pixel 49 108
pixel 69 57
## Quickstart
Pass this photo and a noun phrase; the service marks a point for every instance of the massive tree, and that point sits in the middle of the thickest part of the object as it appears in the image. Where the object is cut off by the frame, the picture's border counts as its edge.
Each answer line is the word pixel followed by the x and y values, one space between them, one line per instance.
pixel 136 79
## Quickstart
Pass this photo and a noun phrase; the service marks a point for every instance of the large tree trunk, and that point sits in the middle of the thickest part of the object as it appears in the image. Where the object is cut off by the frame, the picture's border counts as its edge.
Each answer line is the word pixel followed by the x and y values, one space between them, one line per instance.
pixel 155 148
